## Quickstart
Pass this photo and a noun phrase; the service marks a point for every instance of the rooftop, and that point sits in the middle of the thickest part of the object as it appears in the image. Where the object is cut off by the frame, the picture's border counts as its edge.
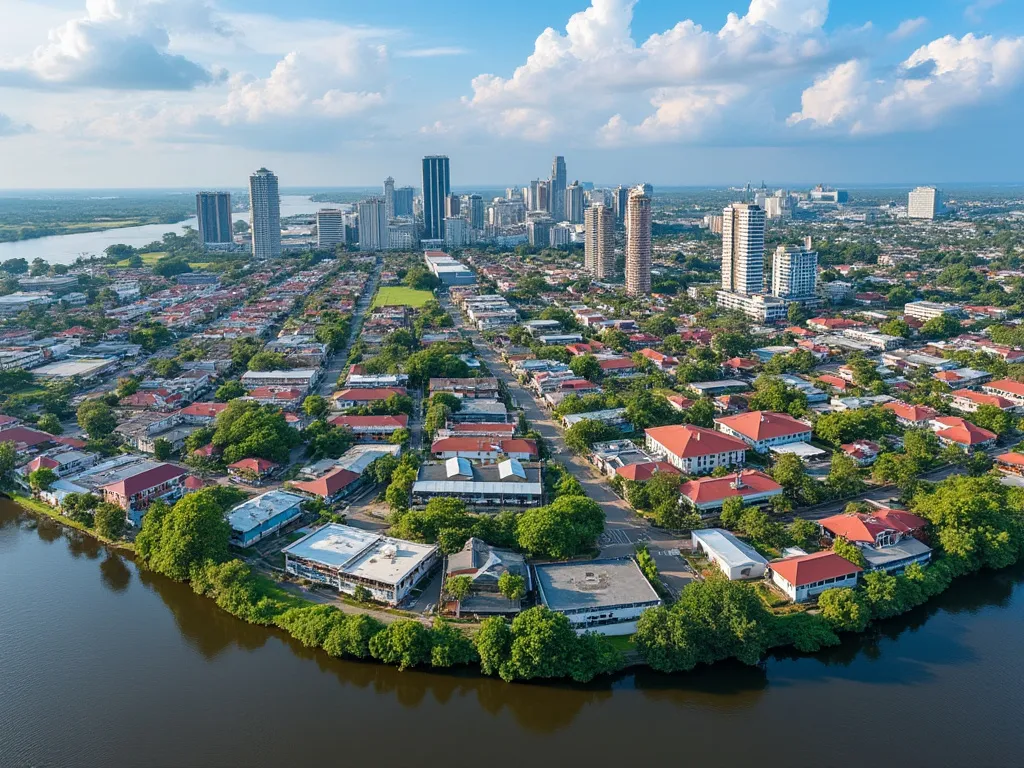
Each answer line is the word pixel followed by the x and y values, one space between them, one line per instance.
pixel 253 512
pixel 764 425
pixel 687 441
pixel 734 552
pixel 593 585
pixel 809 569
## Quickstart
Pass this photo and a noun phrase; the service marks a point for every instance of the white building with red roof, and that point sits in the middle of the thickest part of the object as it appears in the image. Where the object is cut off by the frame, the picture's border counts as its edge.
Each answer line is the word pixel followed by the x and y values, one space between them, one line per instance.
pixel 952 430
pixel 135 493
pixel 357 397
pixel 661 361
pixel 695 450
pixel 374 429
pixel 864 452
pixel 1010 463
pixel 764 430
pixel 1008 388
pixel 807 576
pixel 707 494
pixel 484 449
pixel 680 403
pixel 911 415
pixel 643 471
pixel 968 401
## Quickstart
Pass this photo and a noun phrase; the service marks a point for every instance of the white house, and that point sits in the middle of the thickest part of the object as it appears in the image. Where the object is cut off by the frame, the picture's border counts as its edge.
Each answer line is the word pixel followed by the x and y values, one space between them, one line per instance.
pixel 736 559
pixel 807 576
pixel 695 450
pixel 763 430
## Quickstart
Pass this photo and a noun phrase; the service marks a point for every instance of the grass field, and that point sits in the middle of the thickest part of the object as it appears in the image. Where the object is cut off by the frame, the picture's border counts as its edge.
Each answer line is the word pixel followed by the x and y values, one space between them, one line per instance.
pixel 149 259
pixel 396 295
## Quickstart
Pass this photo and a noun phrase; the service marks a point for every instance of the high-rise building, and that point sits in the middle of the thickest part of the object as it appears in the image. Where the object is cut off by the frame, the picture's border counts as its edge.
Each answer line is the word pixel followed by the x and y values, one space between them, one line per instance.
pixel 455 235
pixel 924 203
pixel 330 227
pixel 265 215
pixel 436 188
pixel 795 271
pixel 620 199
pixel 476 212
pixel 213 210
pixel 402 235
pixel 743 249
pixel 638 243
pixel 543 196
pixel 574 203
pixel 558 183
pixel 538 232
pixel 403 201
pixel 560 235
pixel 452 207
pixel 389 198
pixel 599 244
pixel 373 225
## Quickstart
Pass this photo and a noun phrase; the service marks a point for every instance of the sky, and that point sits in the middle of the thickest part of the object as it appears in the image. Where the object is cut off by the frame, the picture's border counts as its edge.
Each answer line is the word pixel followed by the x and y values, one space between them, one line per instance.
pixel 199 93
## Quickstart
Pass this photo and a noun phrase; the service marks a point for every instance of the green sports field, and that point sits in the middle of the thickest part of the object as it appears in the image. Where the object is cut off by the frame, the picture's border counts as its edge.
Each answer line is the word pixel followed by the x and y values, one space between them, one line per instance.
pixel 395 295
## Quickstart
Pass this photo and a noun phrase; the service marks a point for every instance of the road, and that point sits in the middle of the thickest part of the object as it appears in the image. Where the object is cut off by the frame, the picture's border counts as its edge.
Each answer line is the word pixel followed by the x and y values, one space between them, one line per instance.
pixel 338 361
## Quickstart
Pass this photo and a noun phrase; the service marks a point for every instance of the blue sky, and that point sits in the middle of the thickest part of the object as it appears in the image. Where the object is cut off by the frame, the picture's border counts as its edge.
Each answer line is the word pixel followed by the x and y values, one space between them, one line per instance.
pixel 147 93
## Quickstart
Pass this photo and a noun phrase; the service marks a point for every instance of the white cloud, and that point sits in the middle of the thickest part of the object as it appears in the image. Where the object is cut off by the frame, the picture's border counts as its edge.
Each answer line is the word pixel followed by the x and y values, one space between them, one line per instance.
pixel 908 28
pixel 594 77
pixel 430 53
pixel 120 44
pixel 975 12
pixel 10 128
pixel 936 79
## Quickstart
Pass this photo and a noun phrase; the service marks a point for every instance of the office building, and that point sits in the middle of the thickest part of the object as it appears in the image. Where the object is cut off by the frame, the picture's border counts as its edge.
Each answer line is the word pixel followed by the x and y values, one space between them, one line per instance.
pixel 924 203
pixel 403 197
pixel 599 243
pixel 561 235
pixel 265 215
pixel 452 207
pixel 213 210
pixel 389 198
pixel 373 225
pixel 476 212
pixel 436 188
pixel 743 249
pixel 620 201
pixel 638 243
pixel 822 194
pixel 330 227
pixel 574 203
pixel 795 271
pixel 402 235
pixel 558 185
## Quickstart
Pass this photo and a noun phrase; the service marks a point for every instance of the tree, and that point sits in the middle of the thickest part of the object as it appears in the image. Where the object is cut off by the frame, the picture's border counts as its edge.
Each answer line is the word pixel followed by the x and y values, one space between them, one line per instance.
pixel 49 422
pixel 361 594
pixel 15 266
pixel 164 367
pixel 512 586
pixel 942 327
pixel 246 429
pixel 896 327
pixel 732 511
pixel 170 266
pixel 844 476
pixel 405 643
pixel 845 609
pixel 96 418
pixel 567 527
pixel 8 457
pixel 493 644
pixel 458 587
pixel 542 646
pixel 41 479
pixel 659 325
pixel 992 418
pixel 174 540
pixel 771 394
pixel 316 406
pixel 109 521
pixel 763 531
pixel 732 344
pixel 229 390
pixel 583 434
pixel 790 473
pixel 450 646
pixel 586 367
pixel 436 418
pixel 804 533
pixel 269 361
pixel 796 314
pixel 702 413
pixel 848 551
pixel 162 449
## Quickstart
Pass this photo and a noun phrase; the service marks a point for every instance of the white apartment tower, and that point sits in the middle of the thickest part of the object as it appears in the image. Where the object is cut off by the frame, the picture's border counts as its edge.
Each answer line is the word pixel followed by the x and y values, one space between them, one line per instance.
pixel 330 227
pixel 743 249
pixel 924 203
pixel 265 215
pixel 389 198
pixel 599 245
pixel 795 271
pixel 574 202
pixel 373 225
pixel 638 243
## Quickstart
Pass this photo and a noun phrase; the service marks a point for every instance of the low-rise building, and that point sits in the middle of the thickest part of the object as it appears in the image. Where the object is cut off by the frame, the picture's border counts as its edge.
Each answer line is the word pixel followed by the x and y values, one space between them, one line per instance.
pixel 707 494
pixel 485 387
pixel 603 596
pixel 346 558
pixel 764 430
pixel 373 429
pixel 735 558
pixel 612 417
pixel 952 430
pixel 1006 388
pixel 510 483
pixel 927 310
pixel 968 401
pixel 261 516
pixel 357 398
pixel 907 415
pixel 807 576
pixel 484 565
pixel 484 449
pixel 137 491
pixel 301 379
pixel 695 450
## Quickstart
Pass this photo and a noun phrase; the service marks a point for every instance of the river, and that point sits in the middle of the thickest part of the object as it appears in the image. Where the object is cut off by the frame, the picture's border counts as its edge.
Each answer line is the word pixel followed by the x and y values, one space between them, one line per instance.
pixel 102 664
pixel 64 249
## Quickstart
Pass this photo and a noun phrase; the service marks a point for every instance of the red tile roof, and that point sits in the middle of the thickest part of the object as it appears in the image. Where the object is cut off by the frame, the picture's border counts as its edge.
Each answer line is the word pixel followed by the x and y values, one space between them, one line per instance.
pixel 680 402
pixel 962 431
pixel 764 425
pixel 808 569
pixel 657 357
pixel 615 363
pixel 983 399
pixel 484 445
pixel 72 442
pixel 834 381
pixel 707 489
pixel 275 393
pixel 687 441
pixel 645 470
pixel 352 422
pixel 741 363
pixel 254 465
pixel 1014 458
pixel 41 462
pixel 911 412
pixel 150 478
pixel 329 484
pixel 209 410
pixel 1007 385
pixel 24 436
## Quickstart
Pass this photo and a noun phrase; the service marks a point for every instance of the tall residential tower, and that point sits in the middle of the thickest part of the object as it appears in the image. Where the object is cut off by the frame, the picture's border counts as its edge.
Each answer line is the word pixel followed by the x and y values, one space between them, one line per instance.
pixel 795 271
pixel 599 245
pixel 389 198
pixel 213 210
pixel 436 188
pixel 265 215
pixel 638 243
pixel 743 249
pixel 557 191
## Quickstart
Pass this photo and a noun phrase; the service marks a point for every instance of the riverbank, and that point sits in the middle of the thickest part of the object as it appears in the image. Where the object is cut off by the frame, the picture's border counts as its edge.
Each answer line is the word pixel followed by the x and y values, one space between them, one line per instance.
pixel 42 508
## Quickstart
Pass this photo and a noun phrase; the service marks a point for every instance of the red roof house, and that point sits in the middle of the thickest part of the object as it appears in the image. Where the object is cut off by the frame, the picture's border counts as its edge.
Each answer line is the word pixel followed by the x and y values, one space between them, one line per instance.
pixel 763 430
pixel 695 450
pixel 807 576
pixel 644 470
pixel 706 494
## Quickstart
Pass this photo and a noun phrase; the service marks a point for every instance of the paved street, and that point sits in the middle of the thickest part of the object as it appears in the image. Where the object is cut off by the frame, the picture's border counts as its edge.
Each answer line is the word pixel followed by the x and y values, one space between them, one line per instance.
pixel 338 362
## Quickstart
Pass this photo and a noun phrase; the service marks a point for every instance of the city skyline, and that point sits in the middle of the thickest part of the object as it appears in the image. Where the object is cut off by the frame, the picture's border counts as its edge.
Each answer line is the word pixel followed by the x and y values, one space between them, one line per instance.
pixel 853 93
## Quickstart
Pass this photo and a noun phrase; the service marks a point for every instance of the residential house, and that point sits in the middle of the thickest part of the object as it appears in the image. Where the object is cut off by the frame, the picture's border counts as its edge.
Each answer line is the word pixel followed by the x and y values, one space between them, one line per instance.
pixel 807 576
pixel 952 430
pixel 907 415
pixel 764 430
pixel 252 470
pixel 1006 388
pixel 695 450
pixel 968 401
pixel 480 388
pixel 707 494
pixel 373 429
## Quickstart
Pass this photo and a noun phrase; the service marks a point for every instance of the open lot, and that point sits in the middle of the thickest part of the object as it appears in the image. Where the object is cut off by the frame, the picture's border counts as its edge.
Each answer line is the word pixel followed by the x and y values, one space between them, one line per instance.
pixel 396 295
pixel 148 259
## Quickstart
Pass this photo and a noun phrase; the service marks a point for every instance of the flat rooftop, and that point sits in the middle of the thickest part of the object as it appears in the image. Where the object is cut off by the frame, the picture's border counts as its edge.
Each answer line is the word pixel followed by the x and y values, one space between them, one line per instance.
pixel 65 369
pixel 593 585
pixel 253 512
pixel 364 554
pixel 113 471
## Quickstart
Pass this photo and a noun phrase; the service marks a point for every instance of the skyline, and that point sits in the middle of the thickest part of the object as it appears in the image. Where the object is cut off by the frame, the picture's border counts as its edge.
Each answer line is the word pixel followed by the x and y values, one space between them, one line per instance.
pixel 153 94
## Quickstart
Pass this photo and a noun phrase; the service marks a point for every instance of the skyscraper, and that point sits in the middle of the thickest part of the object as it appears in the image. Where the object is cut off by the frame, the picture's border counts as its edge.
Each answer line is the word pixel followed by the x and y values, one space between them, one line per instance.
pixel 924 203
pixel 574 203
pixel 543 196
pixel 476 212
pixel 389 198
pixel 265 215
pixel 558 181
pixel 436 187
pixel 330 227
pixel 373 225
pixel 743 249
pixel 638 244
pixel 213 210
pixel 403 201
pixel 452 206
pixel 599 245
pixel 620 201
pixel 795 271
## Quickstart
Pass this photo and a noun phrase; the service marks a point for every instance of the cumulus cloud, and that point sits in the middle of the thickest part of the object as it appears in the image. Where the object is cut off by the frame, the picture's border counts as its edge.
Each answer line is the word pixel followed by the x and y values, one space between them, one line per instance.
pixel 908 28
pixel 581 78
pixel 945 75
pixel 120 44
pixel 430 53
